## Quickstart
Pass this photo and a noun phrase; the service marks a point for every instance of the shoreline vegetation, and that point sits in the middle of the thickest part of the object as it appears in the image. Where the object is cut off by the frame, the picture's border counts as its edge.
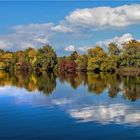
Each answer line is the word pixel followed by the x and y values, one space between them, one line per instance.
pixel 123 61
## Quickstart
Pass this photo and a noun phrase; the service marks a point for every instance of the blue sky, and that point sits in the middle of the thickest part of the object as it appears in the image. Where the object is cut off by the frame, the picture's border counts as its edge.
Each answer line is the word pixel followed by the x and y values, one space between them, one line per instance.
pixel 69 25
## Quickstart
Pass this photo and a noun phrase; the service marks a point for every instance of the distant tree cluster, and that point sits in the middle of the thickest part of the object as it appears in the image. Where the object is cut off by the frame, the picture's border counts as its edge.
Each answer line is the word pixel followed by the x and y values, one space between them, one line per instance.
pixel 43 59
pixel 97 59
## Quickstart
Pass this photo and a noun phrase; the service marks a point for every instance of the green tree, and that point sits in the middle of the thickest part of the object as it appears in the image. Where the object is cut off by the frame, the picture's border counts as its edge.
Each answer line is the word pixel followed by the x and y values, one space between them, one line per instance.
pixel 131 54
pixel 74 55
pixel 46 59
pixel 95 58
pixel 113 49
pixel 131 47
pixel 81 62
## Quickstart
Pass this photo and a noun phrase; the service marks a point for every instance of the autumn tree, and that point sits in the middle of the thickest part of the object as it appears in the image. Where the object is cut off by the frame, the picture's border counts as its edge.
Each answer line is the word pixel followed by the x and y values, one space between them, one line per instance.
pixel 81 62
pixel 74 55
pixel 46 59
pixel 95 58
pixel 113 49
pixel 111 62
pixel 131 54
pixel 68 65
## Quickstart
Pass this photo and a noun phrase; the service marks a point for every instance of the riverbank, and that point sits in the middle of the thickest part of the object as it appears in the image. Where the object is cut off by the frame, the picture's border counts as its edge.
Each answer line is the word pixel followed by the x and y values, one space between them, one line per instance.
pixel 128 71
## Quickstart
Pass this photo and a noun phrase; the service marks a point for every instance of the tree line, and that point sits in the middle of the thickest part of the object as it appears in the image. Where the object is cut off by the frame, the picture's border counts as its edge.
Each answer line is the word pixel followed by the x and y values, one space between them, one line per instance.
pixel 96 59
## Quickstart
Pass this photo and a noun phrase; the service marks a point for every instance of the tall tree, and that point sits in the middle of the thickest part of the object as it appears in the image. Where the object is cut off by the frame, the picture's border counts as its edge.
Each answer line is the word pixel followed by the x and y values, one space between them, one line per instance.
pixel 46 58
pixel 95 58
pixel 113 49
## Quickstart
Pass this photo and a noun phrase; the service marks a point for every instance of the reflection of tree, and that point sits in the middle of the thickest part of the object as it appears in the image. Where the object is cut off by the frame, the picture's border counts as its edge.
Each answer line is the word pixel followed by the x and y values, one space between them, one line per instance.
pixel 128 85
pixel 70 78
pixel 75 79
pixel 23 79
pixel 131 87
pixel 96 82
pixel 45 82
pixel 7 79
pixel 113 84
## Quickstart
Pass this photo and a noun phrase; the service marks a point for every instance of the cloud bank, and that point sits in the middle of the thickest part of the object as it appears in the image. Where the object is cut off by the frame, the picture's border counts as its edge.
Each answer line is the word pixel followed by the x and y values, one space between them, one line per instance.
pixel 80 22
pixel 119 40
pixel 101 17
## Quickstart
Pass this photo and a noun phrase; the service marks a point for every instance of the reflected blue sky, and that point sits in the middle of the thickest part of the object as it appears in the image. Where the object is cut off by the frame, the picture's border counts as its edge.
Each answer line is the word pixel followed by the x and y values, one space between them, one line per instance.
pixel 67 113
pixel 80 105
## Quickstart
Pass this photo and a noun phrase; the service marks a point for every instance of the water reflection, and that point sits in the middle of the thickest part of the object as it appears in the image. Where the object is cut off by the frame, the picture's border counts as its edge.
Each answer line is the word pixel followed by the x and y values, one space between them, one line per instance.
pixel 128 86
pixel 85 97
pixel 44 82
pixel 104 114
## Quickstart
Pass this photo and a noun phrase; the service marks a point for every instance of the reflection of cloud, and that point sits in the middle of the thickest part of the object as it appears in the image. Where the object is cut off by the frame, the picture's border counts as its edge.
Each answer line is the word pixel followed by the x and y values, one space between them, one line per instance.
pixel 117 113
pixel 61 101
pixel 82 107
pixel 133 118
pixel 21 96
pixel 14 91
pixel 102 114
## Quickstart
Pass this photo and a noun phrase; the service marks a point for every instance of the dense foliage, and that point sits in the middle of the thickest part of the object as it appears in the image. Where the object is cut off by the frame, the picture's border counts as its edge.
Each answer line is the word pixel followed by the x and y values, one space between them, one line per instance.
pixel 97 59
pixel 43 59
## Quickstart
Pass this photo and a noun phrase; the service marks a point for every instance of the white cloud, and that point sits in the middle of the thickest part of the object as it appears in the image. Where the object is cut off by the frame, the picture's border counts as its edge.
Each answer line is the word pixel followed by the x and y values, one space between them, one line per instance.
pixel 41 40
pixel 61 28
pixel 70 48
pixel 24 36
pixel 83 48
pixel 41 28
pixel 73 27
pixel 119 40
pixel 102 17
pixel 4 44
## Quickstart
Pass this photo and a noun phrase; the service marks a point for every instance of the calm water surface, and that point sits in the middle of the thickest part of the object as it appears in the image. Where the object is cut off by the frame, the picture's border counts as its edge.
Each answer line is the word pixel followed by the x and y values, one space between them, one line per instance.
pixel 76 106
